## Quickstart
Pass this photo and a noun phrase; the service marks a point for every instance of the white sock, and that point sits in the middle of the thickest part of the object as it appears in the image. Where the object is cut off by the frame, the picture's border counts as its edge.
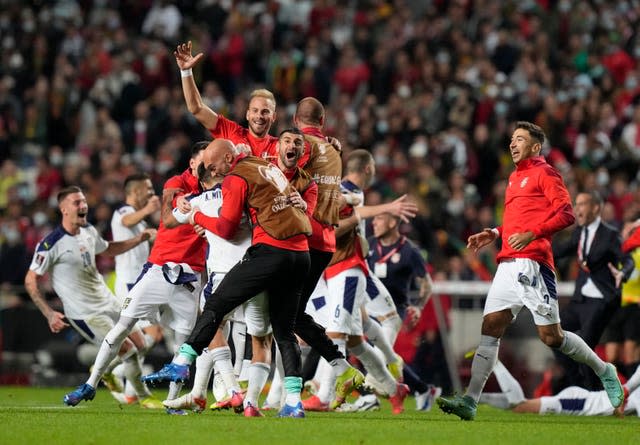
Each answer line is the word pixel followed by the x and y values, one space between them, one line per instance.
pixel 244 372
pixel 377 336
pixel 634 380
pixel 508 384
pixel 258 375
pixel 129 390
pixel 326 381
pixel 204 368
pixel 483 363
pixel 496 399
pixel 175 387
pixel 275 394
pixel 109 349
pixel 391 327
pixel 239 338
pixel 374 365
pixel 218 387
pixel 340 365
pixel 222 361
pixel 133 372
pixel 574 347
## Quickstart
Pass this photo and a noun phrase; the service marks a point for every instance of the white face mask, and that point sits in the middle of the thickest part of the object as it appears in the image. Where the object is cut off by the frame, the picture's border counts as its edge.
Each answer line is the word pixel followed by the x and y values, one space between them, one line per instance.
pixel 602 178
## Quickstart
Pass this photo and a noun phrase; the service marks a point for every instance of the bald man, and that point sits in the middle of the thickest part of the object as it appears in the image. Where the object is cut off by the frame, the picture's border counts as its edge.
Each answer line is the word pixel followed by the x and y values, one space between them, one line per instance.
pixel 276 262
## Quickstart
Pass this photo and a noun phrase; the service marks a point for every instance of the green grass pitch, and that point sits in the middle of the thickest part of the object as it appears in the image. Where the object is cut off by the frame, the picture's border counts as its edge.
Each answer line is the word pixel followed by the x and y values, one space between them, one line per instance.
pixel 37 416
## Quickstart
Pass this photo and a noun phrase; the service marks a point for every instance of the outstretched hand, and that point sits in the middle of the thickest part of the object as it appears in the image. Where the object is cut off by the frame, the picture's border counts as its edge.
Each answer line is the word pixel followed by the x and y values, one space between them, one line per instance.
pixel 480 239
pixel 403 208
pixel 184 58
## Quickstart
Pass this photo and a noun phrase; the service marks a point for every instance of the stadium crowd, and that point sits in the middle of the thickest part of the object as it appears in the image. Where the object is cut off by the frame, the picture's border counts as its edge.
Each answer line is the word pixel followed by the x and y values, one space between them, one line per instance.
pixel 89 94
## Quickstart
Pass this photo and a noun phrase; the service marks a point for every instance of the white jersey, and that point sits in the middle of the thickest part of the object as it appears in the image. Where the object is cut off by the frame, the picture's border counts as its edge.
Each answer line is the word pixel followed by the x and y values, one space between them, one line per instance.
pixel 222 254
pixel 128 264
pixel 578 401
pixel 71 261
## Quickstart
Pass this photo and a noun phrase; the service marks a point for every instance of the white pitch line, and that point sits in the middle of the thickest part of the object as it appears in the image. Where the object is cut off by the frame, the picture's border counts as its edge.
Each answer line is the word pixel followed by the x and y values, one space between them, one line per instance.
pixel 31 407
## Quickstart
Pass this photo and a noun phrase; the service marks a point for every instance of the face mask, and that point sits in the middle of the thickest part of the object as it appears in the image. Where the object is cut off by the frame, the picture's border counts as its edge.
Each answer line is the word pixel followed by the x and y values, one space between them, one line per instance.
pixel 11 235
pixel 602 178
pixel 39 219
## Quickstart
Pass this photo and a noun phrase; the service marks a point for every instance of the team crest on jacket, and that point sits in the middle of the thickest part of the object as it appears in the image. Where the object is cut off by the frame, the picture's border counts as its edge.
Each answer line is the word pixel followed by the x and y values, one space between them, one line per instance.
pixel 524 182
pixel 275 176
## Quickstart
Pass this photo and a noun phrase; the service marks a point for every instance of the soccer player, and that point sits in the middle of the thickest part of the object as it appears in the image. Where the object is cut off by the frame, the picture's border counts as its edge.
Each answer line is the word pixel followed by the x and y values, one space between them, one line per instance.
pixel 537 205
pixel 68 254
pixel 223 255
pixel 170 278
pixel 260 115
pixel 261 112
pixel 129 220
pixel 573 400
pixel 277 261
pixel 346 286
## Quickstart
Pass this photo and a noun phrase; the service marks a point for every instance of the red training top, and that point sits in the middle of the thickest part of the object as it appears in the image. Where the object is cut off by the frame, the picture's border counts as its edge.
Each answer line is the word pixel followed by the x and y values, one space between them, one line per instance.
pixel 234 197
pixel 265 148
pixel 536 200
pixel 180 244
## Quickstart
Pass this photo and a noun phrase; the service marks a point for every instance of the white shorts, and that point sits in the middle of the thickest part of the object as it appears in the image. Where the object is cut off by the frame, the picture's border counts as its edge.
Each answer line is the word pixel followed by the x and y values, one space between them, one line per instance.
pixel 346 297
pixel 255 312
pixel 379 303
pixel 95 327
pixel 317 305
pixel 522 282
pixel 215 278
pixel 577 401
pixel 153 291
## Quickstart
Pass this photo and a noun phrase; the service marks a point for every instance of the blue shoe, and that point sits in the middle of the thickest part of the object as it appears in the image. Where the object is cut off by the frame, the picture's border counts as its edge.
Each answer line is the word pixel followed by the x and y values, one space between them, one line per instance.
pixel 462 406
pixel 292 411
pixel 169 373
pixel 82 392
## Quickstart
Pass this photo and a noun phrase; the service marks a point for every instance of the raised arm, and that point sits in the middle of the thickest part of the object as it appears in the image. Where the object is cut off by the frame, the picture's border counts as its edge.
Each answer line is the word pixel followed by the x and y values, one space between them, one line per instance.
pixel 131 219
pixel 186 61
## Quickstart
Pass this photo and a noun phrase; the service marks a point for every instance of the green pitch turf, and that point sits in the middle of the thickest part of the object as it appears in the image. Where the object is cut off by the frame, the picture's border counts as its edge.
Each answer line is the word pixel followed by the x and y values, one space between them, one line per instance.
pixel 37 416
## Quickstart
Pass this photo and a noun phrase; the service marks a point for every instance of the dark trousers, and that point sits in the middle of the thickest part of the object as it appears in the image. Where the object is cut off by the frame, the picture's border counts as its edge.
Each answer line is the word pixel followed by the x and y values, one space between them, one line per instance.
pixel 307 329
pixel 279 272
pixel 587 318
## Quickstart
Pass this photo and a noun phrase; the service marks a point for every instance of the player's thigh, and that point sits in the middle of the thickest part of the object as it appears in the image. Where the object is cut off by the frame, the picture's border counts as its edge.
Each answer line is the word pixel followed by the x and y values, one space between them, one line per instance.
pixel 184 307
pixel 256 312
pixel 150 293
pixel 95 327
pixel 379 302
pixel 317 306
pixel 346 297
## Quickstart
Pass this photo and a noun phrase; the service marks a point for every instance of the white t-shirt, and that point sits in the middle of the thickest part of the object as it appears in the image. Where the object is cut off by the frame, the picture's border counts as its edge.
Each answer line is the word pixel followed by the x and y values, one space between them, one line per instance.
pixel 128 264
pixel 71 261
pixel 222 254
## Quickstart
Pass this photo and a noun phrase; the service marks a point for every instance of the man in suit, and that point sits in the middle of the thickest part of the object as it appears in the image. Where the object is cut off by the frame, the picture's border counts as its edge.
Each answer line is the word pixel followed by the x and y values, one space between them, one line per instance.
pixel 602 268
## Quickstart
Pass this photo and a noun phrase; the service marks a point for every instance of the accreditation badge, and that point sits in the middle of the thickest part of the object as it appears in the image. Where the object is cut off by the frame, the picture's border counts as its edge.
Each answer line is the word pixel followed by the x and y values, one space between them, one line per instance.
pixel 380 269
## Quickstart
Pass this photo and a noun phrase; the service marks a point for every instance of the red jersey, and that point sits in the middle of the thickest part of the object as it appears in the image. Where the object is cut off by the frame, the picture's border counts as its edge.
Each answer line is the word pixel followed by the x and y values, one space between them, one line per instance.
pixel 180 244
pixel 536 200
pixel 323 237
pixel 265 148
pixel 234 203
pixel 632 242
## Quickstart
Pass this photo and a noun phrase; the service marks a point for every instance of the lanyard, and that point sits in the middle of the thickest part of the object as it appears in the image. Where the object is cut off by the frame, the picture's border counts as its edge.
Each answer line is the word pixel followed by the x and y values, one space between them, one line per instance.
pixel 389 254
